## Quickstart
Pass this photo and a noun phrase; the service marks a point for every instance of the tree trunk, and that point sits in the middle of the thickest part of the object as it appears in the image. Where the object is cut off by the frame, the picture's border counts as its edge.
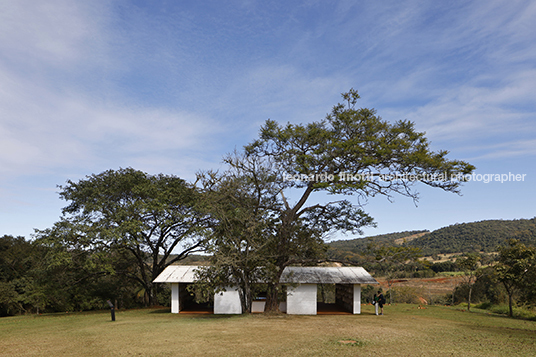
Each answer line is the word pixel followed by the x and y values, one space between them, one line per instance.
pixel 151 298
pixel 243 303
pixel 469 298
pixel 272 298
pixel 245 297
pixel 510 305
pixel 510 292
pixel 389 285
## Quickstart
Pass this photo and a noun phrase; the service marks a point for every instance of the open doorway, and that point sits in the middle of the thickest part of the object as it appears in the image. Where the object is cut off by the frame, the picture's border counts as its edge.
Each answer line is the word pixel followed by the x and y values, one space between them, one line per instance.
pixel 334 299
pixel 188 304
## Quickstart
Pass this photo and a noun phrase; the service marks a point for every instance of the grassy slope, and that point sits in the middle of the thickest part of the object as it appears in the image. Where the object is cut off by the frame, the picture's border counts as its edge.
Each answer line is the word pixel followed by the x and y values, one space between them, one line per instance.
pixel 403 331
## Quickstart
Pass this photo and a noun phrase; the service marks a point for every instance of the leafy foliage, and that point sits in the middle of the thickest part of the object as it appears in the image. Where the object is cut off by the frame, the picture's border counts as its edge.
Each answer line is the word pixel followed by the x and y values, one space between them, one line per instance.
pixel 476 236
pixel 132 215
pixel 516 268
pixel 16 260
pixel 483 236
pixel 239 203
pixel 353 251
pixel 38 277
pixel 303 160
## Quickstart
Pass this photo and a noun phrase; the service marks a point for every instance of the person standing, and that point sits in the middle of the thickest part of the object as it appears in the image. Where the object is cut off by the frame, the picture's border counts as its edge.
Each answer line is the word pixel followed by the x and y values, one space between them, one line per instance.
pixel 375 303
pixel 380 302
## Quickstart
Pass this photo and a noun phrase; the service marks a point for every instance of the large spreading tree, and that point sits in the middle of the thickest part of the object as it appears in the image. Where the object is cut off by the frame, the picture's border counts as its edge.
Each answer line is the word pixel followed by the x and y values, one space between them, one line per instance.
pixel 241 230
pixel 242 242
pixel 352 152
pixel 130 215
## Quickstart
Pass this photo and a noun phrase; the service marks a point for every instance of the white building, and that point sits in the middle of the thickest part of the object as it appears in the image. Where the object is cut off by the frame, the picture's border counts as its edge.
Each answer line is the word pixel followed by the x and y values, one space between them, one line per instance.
pixel 301 289
pixel 180 276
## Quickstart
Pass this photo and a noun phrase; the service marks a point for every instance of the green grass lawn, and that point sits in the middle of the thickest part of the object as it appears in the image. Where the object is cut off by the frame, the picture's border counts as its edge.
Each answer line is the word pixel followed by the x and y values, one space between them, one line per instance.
pixel 404 330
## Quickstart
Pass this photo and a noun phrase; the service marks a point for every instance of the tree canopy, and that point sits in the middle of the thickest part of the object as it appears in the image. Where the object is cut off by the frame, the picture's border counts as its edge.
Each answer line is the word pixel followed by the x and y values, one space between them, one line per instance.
pixel 476 236
pixel 516 269
pixel 242 202
pixel 351 152
pixel 134 214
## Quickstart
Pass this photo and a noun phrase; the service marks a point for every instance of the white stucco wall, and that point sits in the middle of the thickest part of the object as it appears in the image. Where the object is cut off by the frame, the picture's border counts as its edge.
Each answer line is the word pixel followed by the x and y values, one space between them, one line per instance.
pixel 258 306
pixel 301 300
pixel 357 299
pixel 175 298
pixel 227 302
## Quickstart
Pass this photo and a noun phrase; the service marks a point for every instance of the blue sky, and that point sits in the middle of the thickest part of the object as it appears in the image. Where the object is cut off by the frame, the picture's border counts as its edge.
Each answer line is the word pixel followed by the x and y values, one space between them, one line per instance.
pixel 171 86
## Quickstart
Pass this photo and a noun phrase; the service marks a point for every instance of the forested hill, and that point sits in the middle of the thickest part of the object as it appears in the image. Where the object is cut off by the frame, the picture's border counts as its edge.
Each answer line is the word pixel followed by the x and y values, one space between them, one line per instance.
pixel 350 249
pixel 476 236
pixel 458 238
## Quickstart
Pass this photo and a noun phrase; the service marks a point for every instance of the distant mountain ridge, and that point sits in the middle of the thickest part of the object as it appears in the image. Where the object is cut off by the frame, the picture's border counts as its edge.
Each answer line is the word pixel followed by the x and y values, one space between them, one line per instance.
pixel 483 236
pixel 351 250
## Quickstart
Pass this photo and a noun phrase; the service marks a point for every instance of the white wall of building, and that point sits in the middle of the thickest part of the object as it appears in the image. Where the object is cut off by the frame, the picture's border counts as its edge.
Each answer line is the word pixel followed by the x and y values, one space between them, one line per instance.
pixel 301 300
pixel 227 302
pixel 175 298
pixel 357 299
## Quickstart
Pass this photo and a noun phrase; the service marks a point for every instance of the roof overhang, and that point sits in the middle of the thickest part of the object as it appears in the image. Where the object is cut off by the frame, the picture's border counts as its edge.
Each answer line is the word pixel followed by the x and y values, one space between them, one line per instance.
pixel 326 275
pixel 291 275
pixel 177 274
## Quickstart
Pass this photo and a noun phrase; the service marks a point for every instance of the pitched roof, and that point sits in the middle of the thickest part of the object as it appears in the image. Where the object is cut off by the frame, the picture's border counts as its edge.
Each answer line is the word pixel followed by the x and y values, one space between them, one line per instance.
pixel 177 274
pixel 327 275
pixel 296 275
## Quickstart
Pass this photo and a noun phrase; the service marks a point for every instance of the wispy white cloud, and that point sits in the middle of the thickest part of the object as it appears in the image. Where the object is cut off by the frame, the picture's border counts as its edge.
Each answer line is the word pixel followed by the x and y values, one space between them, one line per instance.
pixel 504 150
pixel 51 119
pixel 57 34
pixel 87 86
pixel 466 74
pixel 49 130
pixel 283 93
pixel 480 113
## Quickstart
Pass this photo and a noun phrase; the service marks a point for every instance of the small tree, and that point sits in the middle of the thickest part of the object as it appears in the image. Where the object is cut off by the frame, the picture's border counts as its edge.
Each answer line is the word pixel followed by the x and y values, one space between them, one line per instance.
pixel 469 265
pixel 516 263
pixel 241 229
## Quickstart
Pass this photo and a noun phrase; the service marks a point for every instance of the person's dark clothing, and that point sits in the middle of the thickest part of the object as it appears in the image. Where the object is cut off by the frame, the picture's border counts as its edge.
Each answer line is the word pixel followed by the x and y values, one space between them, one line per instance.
pixel 381 300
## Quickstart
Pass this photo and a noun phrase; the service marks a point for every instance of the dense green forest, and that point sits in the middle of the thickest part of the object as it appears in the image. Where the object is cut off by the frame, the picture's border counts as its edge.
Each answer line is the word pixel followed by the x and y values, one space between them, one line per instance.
pixel 352 249
pixel 35 277
pixel 483 236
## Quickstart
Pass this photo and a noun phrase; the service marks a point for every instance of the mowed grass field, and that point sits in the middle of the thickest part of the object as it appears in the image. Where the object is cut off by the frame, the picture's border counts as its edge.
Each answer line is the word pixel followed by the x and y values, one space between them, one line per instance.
pixel 404 330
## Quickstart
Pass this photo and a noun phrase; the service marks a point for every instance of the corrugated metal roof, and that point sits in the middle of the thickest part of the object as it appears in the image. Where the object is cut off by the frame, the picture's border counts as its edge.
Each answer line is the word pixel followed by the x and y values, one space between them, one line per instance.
pixel 327 275
pixel 177 274
pixel 295 275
